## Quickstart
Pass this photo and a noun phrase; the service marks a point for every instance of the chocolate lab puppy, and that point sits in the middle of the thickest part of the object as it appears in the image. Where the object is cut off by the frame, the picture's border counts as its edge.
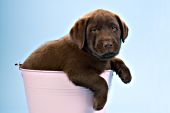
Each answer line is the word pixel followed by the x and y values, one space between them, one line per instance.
pixel 88 50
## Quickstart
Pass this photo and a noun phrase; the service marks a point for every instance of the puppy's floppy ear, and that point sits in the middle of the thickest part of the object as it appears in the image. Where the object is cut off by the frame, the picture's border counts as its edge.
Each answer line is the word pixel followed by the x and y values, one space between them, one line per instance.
pixel 78 32
pixel 123 27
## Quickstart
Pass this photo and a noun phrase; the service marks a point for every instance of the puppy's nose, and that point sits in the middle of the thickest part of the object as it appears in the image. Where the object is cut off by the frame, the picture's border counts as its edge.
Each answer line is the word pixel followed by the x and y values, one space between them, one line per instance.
pixel 107 45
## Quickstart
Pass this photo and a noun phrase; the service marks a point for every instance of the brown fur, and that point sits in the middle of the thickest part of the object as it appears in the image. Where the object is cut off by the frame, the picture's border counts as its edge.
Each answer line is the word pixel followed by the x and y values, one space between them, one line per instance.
pixel 86 52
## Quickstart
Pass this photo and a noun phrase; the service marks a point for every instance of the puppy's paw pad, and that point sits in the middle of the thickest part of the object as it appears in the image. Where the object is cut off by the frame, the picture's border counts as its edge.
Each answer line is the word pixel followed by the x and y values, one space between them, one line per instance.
pixel 126 79
pixel 98 105
pixel 125 75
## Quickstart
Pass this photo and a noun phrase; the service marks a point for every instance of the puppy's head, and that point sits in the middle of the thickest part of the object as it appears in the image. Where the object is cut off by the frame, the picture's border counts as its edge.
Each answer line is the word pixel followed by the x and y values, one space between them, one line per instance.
pixel 100 33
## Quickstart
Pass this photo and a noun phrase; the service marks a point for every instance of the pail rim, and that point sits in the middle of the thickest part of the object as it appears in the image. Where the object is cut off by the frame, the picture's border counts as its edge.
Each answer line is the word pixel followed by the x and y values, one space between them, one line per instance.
pixel 47 71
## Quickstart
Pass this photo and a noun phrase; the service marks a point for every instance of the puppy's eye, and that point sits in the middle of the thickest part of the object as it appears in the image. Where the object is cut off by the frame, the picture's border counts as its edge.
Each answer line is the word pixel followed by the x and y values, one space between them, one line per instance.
pixel 114 28
pixel 94 30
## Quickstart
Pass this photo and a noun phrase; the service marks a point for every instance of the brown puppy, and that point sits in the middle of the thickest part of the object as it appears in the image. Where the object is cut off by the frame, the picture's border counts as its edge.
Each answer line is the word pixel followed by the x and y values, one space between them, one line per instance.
pixel 86 52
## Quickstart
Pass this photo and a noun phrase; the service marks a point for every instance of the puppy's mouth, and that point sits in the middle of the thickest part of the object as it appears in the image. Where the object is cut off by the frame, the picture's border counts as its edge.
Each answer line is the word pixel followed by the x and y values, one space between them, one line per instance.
pixel 104 56
pixel 108 56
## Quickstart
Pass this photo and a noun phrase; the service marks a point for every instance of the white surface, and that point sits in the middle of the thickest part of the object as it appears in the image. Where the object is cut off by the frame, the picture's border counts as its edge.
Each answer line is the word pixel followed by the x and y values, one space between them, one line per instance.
pixel 52 92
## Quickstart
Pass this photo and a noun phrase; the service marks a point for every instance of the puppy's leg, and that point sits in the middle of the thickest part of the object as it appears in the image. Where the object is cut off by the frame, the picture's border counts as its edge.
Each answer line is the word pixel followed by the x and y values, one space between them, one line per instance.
pixel 121 69
pixel 93 82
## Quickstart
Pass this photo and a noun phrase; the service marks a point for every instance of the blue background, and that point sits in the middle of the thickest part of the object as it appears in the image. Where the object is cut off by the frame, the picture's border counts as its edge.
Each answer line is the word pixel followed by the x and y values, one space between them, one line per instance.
pixel 26 24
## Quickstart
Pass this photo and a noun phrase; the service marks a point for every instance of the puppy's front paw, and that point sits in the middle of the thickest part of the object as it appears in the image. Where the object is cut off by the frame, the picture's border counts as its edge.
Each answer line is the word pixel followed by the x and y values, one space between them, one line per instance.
pixel 98 103
pixel 124 74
